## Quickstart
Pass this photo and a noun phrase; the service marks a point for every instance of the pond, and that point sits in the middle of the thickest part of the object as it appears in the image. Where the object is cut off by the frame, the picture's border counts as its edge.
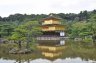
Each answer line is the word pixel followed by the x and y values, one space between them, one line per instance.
pixel 73 52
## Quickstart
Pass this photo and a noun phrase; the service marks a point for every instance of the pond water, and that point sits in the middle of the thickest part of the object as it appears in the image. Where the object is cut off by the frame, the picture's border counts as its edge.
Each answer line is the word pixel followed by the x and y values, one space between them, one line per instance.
pixel 74 52
pixel 40 60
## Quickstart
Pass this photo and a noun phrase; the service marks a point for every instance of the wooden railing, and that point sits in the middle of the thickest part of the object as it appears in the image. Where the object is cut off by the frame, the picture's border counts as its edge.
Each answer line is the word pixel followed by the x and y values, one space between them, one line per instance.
pixel 49 38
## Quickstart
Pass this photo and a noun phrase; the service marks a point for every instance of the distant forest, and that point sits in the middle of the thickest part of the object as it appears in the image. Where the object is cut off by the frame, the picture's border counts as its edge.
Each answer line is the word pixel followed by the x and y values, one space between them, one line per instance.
pixel 82 16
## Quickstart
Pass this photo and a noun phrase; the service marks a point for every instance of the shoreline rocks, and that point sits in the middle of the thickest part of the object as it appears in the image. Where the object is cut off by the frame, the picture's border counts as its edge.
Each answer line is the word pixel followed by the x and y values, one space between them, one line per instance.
pixel 21 51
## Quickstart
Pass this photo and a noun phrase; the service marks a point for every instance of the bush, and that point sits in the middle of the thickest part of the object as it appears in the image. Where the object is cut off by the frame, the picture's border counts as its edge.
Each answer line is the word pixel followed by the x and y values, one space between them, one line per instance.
pixel 88 40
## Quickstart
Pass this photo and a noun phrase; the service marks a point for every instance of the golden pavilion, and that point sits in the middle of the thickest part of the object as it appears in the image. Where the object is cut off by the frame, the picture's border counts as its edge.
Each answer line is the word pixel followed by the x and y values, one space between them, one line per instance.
pixel 52 26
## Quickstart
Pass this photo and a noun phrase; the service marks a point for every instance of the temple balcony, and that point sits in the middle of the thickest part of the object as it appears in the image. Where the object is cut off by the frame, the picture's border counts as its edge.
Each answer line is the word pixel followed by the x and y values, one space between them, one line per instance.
pixel 51 22
pixel 46 37
pixel 52 28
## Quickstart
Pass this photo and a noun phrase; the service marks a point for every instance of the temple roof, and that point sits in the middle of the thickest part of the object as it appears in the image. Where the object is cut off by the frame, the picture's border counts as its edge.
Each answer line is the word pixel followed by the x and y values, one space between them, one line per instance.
pixel 52 25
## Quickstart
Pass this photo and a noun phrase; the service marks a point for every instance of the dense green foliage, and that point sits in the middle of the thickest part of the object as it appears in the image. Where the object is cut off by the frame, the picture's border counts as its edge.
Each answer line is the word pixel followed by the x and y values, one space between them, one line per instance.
pixel 26 32
pixel 83 29
pixel 23 27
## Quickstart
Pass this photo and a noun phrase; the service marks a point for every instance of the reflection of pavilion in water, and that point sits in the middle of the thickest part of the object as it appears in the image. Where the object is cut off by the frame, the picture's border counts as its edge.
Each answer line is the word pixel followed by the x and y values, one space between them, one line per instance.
pixel 51 43
pixel 51 49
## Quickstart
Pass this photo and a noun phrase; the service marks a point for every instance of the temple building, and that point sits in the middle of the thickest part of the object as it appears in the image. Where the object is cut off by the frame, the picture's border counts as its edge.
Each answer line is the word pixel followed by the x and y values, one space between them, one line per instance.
pixel 51 26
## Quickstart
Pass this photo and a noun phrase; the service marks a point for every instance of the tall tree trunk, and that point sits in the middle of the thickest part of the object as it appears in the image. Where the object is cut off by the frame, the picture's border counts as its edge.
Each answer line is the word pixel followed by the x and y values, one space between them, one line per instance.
pixel 94 36
pixel 28 40
pixel 27 45
pixel 19 44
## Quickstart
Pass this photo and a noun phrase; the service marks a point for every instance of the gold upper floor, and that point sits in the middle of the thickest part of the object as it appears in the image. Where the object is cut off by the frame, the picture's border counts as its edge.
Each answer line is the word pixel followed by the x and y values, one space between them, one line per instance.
pixel 53 28
pixel 46 22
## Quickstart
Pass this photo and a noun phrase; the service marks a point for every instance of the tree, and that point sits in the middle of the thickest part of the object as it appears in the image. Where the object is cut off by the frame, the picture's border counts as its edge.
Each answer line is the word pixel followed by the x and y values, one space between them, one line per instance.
pixel 92 24
pixel 27 32
pixel 80 29
pixel 0 18
pixel 0 31
pixel 5 30
pixel 17 36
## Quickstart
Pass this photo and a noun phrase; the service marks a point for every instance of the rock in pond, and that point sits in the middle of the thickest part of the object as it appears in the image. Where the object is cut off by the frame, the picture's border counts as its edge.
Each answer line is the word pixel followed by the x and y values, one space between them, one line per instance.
pixel 22 51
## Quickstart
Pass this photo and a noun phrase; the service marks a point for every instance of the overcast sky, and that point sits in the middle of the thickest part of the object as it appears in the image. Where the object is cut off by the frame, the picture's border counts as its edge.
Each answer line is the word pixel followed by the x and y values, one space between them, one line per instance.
pixel 8 7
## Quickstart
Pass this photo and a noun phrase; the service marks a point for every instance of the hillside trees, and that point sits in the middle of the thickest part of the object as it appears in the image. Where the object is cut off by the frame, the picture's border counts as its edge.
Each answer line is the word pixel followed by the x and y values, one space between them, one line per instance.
pixel 92 24
pixel 83 15
pixel 5 30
